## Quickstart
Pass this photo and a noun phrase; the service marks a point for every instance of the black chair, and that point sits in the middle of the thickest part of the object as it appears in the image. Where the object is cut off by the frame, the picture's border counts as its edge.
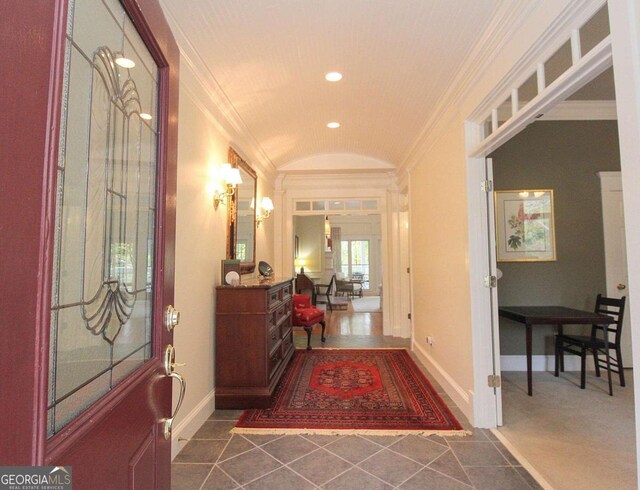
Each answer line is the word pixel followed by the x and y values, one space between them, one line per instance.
pixel 325 294
pixel 599 343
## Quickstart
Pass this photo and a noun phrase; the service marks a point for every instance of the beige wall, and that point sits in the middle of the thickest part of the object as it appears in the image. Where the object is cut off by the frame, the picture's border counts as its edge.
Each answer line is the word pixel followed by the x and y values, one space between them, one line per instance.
pixel 441 305
pixel 200 246
pixel 310 233
pixel 439 218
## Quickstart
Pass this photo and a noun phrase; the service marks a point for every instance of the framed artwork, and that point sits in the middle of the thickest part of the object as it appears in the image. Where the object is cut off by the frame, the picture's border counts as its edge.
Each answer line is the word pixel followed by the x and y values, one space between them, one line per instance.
pixel 525 229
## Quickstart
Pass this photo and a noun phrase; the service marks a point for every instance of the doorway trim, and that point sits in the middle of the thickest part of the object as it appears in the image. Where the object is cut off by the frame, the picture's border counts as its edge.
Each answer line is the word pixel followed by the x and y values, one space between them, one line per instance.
pixel 623 17
pixel 379 186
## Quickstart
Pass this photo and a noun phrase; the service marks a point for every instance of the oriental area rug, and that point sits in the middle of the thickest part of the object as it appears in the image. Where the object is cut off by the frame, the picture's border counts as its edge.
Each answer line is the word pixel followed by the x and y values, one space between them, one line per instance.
pixel 352 391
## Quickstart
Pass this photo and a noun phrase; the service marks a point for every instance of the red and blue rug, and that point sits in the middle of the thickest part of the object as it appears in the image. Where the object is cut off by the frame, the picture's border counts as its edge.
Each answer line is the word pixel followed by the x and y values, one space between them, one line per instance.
pixel 363 391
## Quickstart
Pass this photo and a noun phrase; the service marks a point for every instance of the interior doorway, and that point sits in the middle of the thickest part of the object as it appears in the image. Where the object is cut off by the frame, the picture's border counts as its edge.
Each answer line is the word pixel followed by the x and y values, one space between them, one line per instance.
pixel 565 155
pixel 343 252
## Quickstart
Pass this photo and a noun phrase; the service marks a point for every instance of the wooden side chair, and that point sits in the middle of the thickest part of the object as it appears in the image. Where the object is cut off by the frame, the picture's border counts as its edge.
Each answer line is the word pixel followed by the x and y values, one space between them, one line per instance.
pixel 603 340
pixel 307 316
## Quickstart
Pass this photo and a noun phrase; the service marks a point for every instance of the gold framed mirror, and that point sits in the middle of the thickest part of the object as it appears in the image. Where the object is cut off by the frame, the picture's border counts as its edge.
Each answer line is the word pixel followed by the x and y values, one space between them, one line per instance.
pixel 241 216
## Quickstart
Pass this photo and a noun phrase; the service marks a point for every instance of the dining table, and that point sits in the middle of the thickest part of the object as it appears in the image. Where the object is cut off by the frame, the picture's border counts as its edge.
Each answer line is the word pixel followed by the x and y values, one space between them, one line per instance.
pixel 549 315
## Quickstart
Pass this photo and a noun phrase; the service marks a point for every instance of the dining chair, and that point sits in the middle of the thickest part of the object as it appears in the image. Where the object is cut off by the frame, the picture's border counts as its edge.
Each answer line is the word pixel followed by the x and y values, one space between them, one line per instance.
pixel 603 340
pixel 325 293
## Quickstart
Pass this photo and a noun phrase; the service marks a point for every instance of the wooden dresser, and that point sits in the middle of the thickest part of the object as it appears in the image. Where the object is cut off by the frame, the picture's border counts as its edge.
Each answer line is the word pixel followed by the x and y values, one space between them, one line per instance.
pixel 254 341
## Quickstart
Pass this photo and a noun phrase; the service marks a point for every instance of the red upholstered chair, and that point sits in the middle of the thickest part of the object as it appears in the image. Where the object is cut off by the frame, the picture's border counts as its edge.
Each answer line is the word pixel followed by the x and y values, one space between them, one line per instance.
pixel 307 316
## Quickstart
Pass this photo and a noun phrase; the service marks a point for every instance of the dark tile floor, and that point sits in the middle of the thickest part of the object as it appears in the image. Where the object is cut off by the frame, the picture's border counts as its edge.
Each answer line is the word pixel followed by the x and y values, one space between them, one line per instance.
pixel 216 459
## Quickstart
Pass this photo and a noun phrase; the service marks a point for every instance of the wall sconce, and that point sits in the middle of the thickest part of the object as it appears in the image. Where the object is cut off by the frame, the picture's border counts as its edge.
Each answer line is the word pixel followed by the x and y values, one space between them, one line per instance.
pixel 231 178
pixel 267 207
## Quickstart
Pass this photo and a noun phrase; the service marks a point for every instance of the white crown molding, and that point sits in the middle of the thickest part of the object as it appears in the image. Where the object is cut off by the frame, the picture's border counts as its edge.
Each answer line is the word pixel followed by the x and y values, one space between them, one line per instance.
pixel 557 33
pixel 582 110
pixel 337 162
pixel 218 104
pixel 503 27
pixel 358 184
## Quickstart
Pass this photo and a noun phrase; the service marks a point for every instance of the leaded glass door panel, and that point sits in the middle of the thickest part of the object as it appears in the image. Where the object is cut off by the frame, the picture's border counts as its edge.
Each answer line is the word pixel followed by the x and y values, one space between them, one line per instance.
pixel 105 189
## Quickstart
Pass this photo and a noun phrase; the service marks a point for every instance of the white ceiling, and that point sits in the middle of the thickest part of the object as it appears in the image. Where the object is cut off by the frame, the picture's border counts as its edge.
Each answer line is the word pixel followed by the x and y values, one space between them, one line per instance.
pixel 269 57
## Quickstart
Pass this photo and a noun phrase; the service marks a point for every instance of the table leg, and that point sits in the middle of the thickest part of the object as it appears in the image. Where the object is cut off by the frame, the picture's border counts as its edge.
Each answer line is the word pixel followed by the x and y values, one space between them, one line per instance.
pixel 529 354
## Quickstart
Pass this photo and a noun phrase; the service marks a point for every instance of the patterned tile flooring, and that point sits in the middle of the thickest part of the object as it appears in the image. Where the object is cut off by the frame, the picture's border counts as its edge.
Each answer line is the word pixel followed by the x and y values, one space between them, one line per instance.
pixel 216 459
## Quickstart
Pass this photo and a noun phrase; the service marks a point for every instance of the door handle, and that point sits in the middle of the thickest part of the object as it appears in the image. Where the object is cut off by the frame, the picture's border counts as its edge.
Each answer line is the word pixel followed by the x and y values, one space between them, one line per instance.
pixel 169 365
pixel 171 318
pixel 622 286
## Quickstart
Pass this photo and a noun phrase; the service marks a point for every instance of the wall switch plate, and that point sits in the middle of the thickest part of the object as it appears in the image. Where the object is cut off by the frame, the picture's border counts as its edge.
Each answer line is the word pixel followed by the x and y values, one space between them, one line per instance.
pixel 430 340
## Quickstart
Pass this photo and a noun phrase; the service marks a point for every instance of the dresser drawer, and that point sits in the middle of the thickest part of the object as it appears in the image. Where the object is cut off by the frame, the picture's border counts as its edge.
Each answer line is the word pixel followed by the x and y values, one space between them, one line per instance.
pixel 274 362
pixel 273 336
pixel 287 341
pixel 286 292
pixel 273 297
pixel 281 313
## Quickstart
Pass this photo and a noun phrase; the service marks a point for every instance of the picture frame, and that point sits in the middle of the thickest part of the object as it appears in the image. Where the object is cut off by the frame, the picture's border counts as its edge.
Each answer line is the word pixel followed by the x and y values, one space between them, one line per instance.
pixel 525 226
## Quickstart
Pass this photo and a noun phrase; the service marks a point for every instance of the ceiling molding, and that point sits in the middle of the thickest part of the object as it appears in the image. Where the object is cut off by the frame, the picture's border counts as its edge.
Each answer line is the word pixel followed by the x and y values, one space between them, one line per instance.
pixel 358 185
pixel 502 27
pixel 238 132
pixel 495 39
pixel 575 14
pixel 337 162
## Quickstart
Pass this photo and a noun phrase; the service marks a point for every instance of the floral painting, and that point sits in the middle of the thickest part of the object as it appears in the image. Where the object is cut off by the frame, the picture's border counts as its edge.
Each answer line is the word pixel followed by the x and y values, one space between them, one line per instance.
pixel 525 226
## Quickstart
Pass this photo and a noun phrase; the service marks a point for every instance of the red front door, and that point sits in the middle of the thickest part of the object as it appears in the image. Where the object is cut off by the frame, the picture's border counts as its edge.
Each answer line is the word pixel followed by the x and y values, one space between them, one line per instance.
pixel 88 148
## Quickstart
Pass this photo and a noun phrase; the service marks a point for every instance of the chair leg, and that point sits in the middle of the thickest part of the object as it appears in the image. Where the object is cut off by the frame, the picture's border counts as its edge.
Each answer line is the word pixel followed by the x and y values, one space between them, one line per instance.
pixel 620 366
pixel 308 330
pixel 322 337
pixel 595 361
pixel 609 372
pixel 562 358
pixel 583 368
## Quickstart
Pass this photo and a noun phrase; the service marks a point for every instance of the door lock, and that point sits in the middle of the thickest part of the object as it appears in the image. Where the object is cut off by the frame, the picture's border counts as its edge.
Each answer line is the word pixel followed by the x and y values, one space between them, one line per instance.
pixel 171 317
pixel 622 286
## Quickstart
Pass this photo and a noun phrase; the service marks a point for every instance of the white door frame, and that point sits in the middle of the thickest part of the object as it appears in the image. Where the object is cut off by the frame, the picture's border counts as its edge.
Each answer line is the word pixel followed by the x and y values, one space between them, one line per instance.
pixel 622 49
pixel 615 253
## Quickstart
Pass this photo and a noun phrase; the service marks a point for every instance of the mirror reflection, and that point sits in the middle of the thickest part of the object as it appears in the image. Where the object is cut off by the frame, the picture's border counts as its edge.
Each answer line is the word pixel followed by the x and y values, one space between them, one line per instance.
pixel 242 215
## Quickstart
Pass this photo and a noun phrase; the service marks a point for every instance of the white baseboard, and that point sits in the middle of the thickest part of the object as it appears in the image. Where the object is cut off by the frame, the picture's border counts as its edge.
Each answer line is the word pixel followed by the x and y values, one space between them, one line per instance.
pixel 542 363
pixel 462 398
pixel 190 424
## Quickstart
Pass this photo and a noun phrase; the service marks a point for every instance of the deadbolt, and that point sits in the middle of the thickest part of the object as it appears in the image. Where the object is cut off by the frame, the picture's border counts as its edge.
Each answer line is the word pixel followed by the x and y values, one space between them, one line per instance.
pixel 171 317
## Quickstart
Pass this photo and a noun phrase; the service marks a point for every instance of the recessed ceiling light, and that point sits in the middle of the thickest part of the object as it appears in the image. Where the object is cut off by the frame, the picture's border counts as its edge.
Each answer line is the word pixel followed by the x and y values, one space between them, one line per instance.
pixel 124 62
pixel 333 76
pixel 145 116
pixel 333 125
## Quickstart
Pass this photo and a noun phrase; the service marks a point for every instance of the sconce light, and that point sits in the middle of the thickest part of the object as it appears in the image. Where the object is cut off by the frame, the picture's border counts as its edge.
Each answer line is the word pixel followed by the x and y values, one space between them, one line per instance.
pixel 231 178
pixel 267 207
